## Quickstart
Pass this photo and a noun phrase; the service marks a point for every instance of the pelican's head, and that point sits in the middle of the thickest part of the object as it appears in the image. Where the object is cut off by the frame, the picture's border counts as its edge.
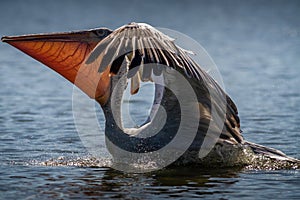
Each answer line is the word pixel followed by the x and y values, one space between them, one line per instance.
pixel 66 54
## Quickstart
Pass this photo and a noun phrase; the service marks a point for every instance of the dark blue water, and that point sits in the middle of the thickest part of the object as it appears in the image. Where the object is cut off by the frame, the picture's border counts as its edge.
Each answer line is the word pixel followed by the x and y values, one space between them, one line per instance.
pixel 256 46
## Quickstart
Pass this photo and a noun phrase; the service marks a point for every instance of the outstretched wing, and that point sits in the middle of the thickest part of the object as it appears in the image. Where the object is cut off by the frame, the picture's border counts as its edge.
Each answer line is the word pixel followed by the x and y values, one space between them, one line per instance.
pixel 142 44
pixel 145 45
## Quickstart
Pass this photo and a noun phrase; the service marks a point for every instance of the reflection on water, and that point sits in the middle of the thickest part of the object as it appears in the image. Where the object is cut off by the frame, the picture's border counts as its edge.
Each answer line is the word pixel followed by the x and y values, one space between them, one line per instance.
pixel 184 182
pixel 108 183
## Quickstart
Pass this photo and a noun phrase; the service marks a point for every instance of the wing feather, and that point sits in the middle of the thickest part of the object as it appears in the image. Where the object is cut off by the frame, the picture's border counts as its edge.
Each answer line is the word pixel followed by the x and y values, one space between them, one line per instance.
pixel 143 44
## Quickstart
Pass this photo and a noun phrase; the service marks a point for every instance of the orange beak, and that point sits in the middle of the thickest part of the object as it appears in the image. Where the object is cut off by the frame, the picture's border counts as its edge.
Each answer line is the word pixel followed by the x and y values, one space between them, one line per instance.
pixel 66 53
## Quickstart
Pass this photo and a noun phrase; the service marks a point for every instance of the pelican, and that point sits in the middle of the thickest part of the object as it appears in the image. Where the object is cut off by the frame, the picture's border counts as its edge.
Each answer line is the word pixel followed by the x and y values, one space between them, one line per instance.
pixel 97 60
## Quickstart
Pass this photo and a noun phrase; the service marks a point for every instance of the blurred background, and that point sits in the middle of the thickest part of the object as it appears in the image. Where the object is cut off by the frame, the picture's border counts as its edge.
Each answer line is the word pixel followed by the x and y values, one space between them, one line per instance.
pixel 255 44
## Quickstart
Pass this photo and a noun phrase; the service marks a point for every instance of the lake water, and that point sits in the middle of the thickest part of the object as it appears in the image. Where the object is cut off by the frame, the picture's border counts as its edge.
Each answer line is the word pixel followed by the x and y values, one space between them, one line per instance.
pixel 256 46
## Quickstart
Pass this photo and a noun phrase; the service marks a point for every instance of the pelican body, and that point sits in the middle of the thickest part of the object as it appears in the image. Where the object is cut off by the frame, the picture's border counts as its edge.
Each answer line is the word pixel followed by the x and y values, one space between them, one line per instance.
pixel 97 60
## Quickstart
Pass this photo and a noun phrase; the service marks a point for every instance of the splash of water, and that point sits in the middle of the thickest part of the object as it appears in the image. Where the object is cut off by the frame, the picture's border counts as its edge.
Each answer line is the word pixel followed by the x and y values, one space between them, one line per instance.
pixel 85 161
pixel 248 161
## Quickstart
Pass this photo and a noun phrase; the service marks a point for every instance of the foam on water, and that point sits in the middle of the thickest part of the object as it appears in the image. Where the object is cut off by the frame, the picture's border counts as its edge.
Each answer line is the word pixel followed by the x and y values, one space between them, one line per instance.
pixel 247 162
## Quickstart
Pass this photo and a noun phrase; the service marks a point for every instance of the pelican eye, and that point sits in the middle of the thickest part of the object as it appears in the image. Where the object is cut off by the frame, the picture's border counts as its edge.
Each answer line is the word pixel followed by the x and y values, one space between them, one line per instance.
pixel 101 32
